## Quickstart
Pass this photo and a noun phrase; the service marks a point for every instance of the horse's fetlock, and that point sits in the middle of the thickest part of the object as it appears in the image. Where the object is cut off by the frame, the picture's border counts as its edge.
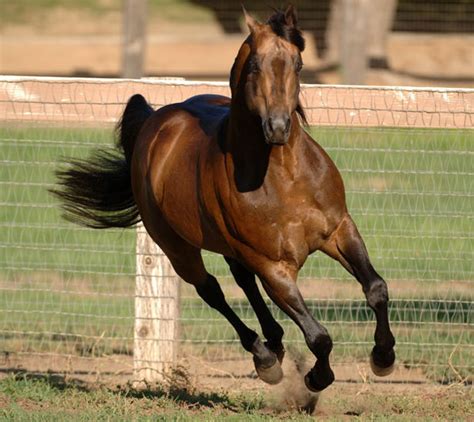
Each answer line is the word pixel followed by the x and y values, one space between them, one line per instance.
pixel 384 342
pixel 263 356
pixel 275 334
pixel 252 343
pixel 320 345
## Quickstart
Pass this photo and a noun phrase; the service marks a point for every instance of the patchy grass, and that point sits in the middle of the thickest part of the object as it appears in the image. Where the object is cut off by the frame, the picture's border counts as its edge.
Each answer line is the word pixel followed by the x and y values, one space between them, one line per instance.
pixel 46 398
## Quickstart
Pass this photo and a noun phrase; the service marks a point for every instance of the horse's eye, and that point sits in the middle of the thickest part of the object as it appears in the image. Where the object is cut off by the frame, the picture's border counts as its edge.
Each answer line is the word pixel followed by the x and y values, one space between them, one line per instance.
pixel 299 65
pixel 254 66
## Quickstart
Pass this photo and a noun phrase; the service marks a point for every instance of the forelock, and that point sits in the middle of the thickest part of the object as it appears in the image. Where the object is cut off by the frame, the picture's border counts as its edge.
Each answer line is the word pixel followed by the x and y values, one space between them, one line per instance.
pixel 277 23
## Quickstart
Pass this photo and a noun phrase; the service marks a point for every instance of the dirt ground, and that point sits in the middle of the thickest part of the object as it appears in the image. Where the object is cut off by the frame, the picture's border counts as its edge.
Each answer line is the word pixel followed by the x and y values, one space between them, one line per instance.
pixel 233 372
pixel 356 391
pixel 59 46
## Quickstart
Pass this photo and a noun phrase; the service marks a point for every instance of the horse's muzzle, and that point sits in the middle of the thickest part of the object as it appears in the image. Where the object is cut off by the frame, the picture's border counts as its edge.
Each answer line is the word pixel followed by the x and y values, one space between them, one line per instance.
pixel 277 129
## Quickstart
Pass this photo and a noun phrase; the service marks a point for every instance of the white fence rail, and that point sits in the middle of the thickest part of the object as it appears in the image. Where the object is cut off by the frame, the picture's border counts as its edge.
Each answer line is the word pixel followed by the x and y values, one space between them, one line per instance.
pixel 69 304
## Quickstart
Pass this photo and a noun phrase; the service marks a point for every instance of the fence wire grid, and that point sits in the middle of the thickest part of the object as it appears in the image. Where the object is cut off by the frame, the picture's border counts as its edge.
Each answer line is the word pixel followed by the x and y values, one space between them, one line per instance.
pixel 406 156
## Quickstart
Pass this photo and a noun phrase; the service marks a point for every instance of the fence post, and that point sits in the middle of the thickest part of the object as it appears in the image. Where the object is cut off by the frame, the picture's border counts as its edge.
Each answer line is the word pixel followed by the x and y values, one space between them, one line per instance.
pixel 134 36
pixel 354 38
pixel 156 312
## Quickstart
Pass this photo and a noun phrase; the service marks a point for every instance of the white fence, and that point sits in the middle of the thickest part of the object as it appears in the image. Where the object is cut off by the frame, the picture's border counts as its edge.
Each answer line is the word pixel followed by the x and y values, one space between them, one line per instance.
pixel 68 294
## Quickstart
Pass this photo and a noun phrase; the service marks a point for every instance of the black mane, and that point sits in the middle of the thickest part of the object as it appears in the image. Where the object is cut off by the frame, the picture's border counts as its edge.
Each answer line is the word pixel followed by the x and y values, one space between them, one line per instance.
pixel 281 28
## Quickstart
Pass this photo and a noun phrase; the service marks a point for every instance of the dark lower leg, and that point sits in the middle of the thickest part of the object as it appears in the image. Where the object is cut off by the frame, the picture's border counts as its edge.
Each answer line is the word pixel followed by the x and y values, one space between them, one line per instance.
pixel 320 343
pixel 352 253
pixel 287 296
pixel 377 297
pixel 212 294
pixel 271 329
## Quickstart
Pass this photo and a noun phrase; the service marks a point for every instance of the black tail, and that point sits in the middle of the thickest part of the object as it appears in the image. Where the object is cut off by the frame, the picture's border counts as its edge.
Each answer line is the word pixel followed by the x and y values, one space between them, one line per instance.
pixel 97 192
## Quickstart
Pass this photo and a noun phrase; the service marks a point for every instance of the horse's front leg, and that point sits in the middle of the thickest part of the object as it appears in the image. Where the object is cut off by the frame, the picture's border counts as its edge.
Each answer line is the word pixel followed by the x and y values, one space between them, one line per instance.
pixel 280 284
pixel 347 246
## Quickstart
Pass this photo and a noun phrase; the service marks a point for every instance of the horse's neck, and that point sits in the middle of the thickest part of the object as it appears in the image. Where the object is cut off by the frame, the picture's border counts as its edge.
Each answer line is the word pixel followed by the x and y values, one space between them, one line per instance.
pixel 252 158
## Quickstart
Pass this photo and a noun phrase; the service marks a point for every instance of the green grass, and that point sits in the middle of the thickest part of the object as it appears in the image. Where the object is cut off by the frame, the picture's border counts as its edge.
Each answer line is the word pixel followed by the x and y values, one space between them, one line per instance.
pixel 29 398
pixel 51 398
pixel 410 192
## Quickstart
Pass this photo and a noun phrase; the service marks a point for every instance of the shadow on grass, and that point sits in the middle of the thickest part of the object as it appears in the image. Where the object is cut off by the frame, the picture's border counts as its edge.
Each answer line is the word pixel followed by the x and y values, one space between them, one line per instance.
pixel 57 381
pixel 179 388
pixel 186 397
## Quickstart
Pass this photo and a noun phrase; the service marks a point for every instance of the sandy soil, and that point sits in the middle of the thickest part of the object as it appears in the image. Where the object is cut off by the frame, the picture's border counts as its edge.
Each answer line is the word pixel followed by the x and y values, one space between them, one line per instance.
pixel 59 46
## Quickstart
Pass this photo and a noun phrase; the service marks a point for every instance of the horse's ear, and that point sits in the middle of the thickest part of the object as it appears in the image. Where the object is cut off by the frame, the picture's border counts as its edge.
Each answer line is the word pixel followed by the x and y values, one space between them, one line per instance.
pixel 290 16
pixel 253 24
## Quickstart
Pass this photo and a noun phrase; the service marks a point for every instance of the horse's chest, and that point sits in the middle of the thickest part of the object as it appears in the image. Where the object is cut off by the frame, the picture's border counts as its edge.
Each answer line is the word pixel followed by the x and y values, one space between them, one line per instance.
pixel 280 231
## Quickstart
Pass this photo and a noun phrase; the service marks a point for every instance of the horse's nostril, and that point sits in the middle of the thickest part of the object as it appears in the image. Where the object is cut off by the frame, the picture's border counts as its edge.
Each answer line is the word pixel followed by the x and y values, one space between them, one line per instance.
pixel 287 125
pixel 270 125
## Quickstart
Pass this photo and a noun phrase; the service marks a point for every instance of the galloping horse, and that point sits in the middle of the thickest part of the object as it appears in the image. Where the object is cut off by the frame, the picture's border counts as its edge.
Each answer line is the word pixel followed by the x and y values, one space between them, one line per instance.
pixel 240 177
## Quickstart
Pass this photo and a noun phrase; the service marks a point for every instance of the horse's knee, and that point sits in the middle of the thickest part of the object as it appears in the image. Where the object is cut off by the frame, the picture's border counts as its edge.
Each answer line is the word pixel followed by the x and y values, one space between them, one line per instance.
pixel 377 294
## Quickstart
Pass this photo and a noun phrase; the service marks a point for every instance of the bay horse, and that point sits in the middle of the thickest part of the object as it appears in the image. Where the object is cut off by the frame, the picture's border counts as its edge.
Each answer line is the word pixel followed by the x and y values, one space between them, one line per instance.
pixel 240 177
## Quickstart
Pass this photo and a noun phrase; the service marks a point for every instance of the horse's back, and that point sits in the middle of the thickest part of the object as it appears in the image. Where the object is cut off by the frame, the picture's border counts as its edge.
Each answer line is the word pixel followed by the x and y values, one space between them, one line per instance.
pixel 209 110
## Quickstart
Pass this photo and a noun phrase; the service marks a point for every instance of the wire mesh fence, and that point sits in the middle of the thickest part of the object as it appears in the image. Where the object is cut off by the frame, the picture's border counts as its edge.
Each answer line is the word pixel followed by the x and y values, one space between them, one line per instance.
pixel 406 156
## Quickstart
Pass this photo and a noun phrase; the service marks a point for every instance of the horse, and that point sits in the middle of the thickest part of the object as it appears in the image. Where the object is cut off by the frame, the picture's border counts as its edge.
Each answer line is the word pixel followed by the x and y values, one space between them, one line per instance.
pixel 240 177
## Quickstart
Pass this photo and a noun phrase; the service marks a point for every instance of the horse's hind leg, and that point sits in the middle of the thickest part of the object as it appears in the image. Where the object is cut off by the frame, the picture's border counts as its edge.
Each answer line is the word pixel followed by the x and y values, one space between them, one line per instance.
pixel 272 331
pixel 188 264
pixel 347 246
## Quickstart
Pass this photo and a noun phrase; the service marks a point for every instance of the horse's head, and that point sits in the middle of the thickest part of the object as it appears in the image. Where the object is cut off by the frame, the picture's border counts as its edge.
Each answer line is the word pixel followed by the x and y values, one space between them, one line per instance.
pixel 266 72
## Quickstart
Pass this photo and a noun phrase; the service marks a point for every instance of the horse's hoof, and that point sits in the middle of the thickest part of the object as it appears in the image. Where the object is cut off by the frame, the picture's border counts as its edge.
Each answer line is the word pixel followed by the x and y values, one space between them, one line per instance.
pixel 271 375
pixel 308 384
pixel 314 386
pixel 378 370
